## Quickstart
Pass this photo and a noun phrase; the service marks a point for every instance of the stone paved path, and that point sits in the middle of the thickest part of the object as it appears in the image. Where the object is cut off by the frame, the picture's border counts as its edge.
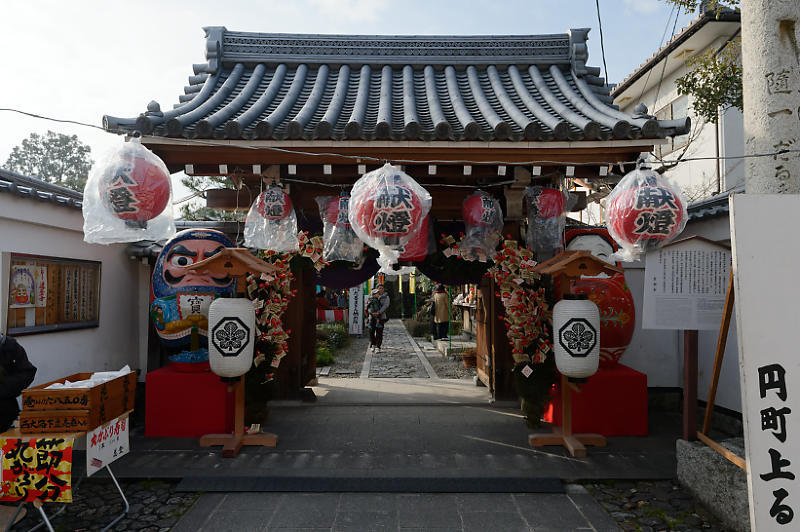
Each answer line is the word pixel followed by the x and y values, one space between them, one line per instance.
pixel 399 356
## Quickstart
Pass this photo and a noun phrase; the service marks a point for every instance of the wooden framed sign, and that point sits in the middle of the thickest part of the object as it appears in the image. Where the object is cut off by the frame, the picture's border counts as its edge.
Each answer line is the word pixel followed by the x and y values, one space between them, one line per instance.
pixel 685 285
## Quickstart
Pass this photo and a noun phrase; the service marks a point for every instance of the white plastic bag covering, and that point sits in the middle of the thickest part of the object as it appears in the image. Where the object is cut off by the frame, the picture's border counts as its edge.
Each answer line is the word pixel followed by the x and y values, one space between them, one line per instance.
pixel 643 212
pixel 547 209
pixel 271 222
pixel 128 197
pixel 483 221
pixel 339 240
pixel 386 208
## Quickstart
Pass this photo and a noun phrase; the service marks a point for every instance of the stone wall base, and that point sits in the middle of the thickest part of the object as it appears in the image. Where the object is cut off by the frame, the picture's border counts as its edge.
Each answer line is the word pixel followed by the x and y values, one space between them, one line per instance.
pixel 713 480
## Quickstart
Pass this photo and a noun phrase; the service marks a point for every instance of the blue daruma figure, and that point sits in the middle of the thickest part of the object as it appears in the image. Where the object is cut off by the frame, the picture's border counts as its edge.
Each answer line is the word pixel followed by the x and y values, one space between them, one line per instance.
pixel 181 297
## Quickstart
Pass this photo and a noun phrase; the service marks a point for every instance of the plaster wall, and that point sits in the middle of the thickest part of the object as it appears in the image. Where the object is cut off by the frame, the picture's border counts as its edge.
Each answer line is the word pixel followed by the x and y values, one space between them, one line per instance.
pixel 659 353
pixel 42 228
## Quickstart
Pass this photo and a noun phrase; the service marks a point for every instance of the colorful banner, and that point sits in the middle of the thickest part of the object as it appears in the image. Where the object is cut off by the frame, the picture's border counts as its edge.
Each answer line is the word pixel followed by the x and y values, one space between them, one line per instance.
pixel 36 468
pixel 106 443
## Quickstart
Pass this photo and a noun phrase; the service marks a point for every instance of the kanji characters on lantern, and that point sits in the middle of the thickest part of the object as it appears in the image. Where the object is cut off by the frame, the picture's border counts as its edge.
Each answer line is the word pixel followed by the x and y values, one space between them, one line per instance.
pixel 128 197
pixel 483 219
pixel 271 222
pixel 387 208
pixel 546 220
pixel 644 211
pixel 340 242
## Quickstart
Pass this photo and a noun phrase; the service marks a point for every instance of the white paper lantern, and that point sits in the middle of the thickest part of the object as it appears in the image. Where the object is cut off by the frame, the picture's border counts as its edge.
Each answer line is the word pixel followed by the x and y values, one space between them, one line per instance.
pixel 576 328
pixel 231 336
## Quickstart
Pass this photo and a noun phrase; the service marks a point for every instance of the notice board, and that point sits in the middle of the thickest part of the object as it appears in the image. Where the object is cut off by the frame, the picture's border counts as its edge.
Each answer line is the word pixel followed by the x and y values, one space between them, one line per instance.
pixel 685 284
pixel 767 285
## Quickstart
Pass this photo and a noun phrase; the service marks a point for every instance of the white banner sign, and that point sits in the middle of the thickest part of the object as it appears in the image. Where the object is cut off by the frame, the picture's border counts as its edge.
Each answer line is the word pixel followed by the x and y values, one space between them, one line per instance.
pixel 106 443
pixel 685 284
pixel 765 260
pixel 355 315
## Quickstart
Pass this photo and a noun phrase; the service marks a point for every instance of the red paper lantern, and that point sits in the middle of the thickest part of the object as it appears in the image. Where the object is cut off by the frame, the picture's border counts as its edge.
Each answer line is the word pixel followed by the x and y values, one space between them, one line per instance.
pixel 135 189
pixel 617 314
pixel 480 209
pixel 389 210
pixel 417 246
pixel 645 216
pixel 336 211
pixel 274 204
pixel 550 203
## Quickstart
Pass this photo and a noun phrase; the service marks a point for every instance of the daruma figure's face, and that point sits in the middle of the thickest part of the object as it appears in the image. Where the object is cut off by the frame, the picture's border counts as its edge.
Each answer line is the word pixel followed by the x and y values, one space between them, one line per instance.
pixel 188 247
pixel 185 253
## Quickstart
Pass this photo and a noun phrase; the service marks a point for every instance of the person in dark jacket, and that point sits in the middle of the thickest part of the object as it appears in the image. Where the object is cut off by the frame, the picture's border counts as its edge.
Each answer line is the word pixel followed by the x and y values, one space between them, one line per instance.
pixel 16 374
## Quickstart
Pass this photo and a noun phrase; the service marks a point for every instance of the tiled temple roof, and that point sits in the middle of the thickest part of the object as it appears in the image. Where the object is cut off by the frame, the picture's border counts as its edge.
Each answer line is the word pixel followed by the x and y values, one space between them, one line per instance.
pixel 344 87
pixel 30 187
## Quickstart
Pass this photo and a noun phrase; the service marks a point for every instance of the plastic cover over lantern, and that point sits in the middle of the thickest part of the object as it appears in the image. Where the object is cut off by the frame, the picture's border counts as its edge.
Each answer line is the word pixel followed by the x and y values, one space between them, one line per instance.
pixel 643 212
pixel 128 197
pixel 546 221
pixel 387 208
pixel 271 222
pixel 231 331
pixel 339 240
pixel 483 219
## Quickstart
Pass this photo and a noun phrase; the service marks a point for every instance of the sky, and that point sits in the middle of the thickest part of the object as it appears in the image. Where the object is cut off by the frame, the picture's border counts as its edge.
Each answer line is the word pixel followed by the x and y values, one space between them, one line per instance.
pixel 81 59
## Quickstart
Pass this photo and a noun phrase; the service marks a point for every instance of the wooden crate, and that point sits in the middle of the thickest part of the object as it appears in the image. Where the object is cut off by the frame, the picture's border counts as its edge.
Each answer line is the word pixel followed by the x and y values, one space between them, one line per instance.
pixel 76 409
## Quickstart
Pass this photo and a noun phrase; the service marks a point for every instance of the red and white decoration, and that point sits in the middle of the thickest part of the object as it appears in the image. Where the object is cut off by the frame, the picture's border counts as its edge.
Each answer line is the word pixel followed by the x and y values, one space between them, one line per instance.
pixel 128 197
pixel 324 316
pixel 387 208
pixel 340 242
pixel 644 211
pixel 271 223
pixel 483 220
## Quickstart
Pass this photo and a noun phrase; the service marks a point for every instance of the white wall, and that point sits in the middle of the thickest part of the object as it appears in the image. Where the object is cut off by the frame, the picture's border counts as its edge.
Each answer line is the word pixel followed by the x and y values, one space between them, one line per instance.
pixel 42 228
pixel 659 354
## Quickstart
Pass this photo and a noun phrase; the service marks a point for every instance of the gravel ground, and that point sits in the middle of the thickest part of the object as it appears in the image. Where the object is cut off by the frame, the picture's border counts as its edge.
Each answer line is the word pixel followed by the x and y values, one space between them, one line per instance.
pixel 653 506
pixel 154 506
pixel 445 367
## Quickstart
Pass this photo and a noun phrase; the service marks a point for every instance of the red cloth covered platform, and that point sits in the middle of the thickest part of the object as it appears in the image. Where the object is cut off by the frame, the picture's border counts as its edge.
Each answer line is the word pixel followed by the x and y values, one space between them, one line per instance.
pixel 324 316
pixel 613 402
pixel 188 405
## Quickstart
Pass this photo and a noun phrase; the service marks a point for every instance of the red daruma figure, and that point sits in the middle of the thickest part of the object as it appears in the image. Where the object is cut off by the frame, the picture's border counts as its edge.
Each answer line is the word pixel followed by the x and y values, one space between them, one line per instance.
pixel 643 212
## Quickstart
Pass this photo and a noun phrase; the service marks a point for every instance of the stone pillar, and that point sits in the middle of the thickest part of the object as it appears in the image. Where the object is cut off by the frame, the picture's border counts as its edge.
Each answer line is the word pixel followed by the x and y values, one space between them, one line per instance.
pixel 771 65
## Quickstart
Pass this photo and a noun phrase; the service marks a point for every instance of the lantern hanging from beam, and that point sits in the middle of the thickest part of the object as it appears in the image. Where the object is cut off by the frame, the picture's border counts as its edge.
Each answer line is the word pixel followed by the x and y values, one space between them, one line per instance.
pixel 271 222
pixel 483 220
pixel 546 221
pixel 128 197
pixel 643 212
pixel 387 208
pixel 576 331
pixel 339 240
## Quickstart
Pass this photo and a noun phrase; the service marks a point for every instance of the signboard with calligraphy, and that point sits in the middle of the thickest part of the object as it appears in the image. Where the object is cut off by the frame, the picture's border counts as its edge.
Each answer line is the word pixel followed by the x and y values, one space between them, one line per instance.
pixel 356 310
pixel 685 284
pixel 767 297
pixel 106 443
pixel 34 468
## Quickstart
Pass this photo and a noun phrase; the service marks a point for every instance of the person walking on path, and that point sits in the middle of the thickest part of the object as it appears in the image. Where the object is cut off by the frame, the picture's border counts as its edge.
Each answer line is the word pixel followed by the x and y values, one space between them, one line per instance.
pixel 376 308
pixel 441 312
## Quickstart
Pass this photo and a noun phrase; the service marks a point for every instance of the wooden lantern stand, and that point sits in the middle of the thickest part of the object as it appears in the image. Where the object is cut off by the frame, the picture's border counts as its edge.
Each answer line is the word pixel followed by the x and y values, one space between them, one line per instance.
pixel 570 266
pixel 236 262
